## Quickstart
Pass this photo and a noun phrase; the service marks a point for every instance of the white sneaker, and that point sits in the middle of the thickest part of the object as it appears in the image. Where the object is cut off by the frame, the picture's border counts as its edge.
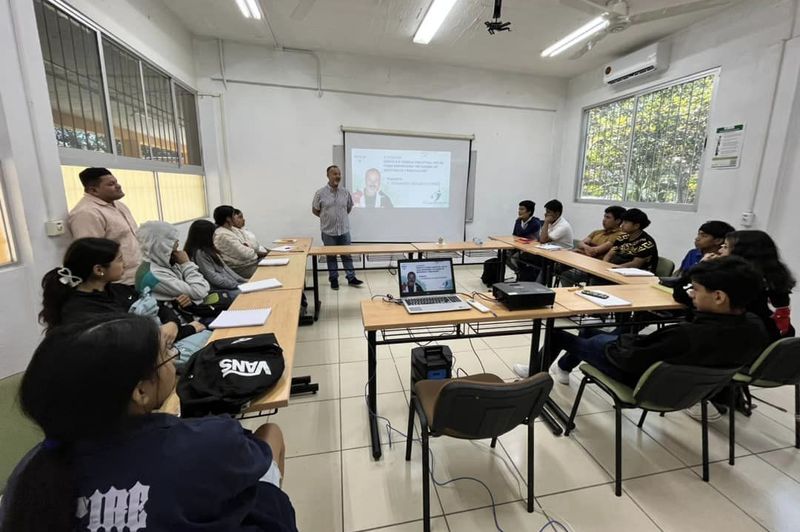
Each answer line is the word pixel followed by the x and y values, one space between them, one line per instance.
pixel 521 370
pixel 696 412
pixel 560 375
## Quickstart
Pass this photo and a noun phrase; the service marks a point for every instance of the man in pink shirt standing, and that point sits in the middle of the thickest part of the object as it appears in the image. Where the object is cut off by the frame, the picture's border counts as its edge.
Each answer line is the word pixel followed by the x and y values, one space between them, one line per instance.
pixel 100 214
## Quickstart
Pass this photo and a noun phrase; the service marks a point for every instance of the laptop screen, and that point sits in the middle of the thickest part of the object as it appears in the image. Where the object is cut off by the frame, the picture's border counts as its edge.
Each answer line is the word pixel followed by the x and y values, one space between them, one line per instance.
pixel 426 277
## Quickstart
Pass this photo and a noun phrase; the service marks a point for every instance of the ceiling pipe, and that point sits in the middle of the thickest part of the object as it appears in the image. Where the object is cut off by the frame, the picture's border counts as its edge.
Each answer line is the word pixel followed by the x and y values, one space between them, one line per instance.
pixel 313 54
pixel 221 52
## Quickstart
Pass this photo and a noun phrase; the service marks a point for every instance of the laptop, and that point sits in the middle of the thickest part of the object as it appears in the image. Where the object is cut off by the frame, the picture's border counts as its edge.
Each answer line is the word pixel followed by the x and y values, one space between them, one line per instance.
pixel 428 285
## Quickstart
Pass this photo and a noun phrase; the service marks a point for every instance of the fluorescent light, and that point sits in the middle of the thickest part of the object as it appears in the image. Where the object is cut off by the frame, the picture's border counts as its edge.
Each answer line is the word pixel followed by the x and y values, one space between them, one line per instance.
pixel 436 14
pixel 254 10
pixel 581 34
pixel 243 8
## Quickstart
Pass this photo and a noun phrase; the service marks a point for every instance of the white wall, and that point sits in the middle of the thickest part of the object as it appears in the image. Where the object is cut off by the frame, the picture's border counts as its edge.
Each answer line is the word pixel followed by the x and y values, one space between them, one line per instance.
pixel 280 133
pixel 745 44
pixel 31 175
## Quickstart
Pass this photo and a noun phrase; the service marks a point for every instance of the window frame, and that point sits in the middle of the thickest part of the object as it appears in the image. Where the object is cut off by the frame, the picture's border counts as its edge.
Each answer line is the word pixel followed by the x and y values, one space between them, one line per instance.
pixel 637 93
pixel 5 219
pixel 75 156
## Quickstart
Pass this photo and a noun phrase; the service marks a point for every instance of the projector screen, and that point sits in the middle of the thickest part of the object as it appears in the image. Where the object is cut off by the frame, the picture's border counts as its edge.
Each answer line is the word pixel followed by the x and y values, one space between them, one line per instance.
pixel 406 188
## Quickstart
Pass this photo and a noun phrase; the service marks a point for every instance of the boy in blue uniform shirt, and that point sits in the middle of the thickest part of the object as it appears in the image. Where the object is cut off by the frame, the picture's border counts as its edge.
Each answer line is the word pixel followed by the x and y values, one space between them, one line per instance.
pixel 710 237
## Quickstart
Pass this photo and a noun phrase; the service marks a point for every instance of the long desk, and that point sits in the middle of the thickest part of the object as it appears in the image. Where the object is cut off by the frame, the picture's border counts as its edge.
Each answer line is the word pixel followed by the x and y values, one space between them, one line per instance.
pixel 579 261
pixel 292 276
pixel 396 326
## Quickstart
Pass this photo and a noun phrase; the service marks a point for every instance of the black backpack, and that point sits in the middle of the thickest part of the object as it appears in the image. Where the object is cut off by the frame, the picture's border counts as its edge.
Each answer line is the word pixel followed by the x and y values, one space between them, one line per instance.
pixel 491 272
pixel 226 374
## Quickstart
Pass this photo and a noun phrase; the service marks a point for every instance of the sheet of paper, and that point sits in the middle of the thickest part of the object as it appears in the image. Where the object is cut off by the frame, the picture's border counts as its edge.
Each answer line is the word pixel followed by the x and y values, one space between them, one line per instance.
pixel 273 262
pixel 611 301
pixel 282 248
pixel 285 241
pixel 550 247
pixel 259 285
pixel 727 147
pixel 632 272
pixel 240 318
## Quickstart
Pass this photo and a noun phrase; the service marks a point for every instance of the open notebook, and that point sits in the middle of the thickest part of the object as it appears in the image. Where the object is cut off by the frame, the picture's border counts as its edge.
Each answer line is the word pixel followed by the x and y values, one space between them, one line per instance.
pixel 632 272
pixel 273 262
pixel 259 285
pixel 611 301
pixel 240 318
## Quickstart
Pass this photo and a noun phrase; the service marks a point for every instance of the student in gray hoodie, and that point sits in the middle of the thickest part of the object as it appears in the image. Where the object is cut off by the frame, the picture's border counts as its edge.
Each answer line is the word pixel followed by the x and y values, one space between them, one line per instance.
pixel 166 269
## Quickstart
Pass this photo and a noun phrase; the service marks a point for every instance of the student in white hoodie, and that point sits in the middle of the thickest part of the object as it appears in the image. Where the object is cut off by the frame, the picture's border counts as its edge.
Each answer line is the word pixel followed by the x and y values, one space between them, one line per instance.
pixel 166 269
pixel 232 245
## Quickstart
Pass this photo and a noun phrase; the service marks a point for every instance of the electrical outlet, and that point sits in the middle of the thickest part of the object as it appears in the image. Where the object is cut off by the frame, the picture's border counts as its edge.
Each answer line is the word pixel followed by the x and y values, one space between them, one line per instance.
pixel 748 218
pixel 54 227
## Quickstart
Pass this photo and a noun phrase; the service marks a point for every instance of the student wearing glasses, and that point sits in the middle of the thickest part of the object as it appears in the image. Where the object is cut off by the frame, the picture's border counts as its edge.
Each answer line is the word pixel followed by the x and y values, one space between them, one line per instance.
pixel 110 461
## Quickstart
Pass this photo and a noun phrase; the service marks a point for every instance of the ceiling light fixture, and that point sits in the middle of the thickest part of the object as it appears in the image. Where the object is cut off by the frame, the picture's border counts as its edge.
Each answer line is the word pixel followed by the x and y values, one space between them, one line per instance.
pixel 436 14
pixel 249 9
pixel 581 34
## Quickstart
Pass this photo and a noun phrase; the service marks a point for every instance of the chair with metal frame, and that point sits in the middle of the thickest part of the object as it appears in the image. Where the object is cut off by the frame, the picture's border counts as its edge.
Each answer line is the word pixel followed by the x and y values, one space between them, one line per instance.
pixel 778 365
pixel 473 408
pixel 664 387
pixel 18 434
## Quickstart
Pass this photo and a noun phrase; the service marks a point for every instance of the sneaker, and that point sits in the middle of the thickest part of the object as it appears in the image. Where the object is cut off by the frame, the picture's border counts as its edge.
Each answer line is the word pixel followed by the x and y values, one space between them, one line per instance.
pixel 696 412
pixel 355 282
pixel 559 375
pixel 521 370
pixel 335 284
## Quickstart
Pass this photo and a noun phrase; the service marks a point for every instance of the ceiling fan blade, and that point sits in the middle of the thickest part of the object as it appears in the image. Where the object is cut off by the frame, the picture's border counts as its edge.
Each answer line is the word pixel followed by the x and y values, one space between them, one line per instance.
pixel 587 6
pixel 657 14
pixel 301 9
pixel 588 45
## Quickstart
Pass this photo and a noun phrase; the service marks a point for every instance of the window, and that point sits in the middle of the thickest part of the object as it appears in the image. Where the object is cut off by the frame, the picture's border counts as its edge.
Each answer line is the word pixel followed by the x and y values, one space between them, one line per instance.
pixel 7 252
pixel 74 80
pixel 170 197
pixel 151 117
pixel 648 148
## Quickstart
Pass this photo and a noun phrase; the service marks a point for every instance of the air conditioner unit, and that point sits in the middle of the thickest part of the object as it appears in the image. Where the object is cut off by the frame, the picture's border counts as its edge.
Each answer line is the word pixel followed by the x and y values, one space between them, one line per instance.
pixel 653 58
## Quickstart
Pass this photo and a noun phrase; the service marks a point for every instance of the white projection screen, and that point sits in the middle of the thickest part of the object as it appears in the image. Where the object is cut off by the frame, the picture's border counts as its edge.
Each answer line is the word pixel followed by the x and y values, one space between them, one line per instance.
pixel 406 187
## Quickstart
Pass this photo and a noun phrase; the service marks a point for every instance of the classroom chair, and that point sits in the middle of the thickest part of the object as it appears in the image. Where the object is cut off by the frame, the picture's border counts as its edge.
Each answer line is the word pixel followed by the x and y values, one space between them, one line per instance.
pixel 664 387
pixel 778 365
pixel 474 408
pixel 664 267
pixel 17 433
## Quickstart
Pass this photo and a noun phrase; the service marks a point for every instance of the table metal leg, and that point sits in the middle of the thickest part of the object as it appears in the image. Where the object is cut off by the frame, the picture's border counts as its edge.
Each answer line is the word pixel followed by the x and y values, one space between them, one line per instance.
pixel 547 359
pixel 315 283
pixel 372 397
pixel 501 266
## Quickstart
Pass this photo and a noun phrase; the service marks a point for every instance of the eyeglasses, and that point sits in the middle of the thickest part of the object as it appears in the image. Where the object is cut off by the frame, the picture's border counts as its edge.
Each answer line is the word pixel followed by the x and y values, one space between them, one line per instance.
pixel 174 354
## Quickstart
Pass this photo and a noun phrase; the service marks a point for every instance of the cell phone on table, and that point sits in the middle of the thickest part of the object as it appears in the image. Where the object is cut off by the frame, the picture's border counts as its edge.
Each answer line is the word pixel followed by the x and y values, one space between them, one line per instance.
pixel 592 293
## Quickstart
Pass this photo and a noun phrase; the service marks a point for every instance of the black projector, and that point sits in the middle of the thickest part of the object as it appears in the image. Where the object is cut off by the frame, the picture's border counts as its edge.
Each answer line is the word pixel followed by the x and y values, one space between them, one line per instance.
pixel 523 295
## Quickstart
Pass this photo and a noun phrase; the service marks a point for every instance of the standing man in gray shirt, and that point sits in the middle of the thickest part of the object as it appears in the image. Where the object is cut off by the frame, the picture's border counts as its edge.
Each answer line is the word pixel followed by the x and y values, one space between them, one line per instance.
pixel 332 205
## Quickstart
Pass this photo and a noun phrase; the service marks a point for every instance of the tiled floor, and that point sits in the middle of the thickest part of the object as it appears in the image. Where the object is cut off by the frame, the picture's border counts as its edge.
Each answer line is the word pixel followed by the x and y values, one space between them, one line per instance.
pixel 335 485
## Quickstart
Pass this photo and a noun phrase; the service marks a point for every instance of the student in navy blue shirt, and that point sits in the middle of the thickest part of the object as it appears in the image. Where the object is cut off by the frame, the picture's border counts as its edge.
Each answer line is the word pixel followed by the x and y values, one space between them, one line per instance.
pixel 710 237
pixel 526 226
pixel 110 463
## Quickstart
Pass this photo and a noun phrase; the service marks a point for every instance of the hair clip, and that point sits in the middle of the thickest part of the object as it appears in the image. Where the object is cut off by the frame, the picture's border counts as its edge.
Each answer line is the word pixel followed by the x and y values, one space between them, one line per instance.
pixel 65 277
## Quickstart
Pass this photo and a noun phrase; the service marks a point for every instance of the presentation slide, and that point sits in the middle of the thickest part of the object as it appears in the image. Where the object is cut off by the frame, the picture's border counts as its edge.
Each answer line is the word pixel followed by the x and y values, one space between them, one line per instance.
pixel 406 188
pixel 404 179
pixel 425 277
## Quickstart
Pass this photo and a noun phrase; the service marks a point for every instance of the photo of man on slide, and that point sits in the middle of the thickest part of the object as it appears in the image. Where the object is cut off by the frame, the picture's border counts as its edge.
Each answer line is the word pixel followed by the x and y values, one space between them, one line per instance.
pixel 411 286
pixel 372 195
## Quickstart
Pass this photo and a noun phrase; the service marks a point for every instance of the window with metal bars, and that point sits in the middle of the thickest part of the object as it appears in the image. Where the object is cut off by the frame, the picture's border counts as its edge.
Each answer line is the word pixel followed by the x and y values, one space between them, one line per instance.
pixel 648 147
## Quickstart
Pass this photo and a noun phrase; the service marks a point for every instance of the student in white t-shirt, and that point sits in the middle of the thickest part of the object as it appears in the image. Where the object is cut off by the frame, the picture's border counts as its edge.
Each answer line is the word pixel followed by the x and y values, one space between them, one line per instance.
pixel 556 228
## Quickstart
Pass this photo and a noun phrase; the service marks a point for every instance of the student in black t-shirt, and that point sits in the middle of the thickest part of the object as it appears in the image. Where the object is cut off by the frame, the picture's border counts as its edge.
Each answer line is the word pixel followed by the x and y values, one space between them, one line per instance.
pixel 109 462
pixel 634 248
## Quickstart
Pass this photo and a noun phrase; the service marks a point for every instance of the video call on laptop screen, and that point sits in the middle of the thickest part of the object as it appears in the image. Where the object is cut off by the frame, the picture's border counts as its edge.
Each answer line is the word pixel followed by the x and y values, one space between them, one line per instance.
pixel 425 277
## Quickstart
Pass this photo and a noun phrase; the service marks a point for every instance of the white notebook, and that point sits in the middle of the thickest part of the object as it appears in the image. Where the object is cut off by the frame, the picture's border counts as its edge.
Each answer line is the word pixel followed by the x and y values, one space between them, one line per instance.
pixel 632 272
pixel 259 285
pixel 550 247
pixel 282 248
pixel 611 301
pixel 273 262
pixel 240 318
pixel 285 241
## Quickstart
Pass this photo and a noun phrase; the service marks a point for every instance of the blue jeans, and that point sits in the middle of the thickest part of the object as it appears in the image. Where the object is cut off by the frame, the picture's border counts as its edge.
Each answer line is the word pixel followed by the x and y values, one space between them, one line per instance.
pixel 347 261
pixel 589 347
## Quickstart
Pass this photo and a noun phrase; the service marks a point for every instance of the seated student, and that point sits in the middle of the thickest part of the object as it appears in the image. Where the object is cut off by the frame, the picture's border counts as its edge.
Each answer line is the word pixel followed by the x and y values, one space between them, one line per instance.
pixel 556 228
pixel 249 236
pixel 720 334
pixel 772 303
pixel 634 248
pixel 234 249
pixel 412 286
pixel 710 237
pixel 109 461
pixel 596 244
pixel 525 226
pixel 167 270
pixel 200 248
pixel 86 286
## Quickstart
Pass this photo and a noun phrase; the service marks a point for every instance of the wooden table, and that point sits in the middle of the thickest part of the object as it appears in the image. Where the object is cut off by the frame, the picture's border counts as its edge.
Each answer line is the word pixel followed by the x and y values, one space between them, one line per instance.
pixel 396 326
pixel 291 276
pixel 302 245
pixel 489 245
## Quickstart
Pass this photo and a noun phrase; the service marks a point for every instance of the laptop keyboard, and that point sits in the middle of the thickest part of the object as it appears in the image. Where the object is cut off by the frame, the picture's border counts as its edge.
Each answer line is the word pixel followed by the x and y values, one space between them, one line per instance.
pixel 433 300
